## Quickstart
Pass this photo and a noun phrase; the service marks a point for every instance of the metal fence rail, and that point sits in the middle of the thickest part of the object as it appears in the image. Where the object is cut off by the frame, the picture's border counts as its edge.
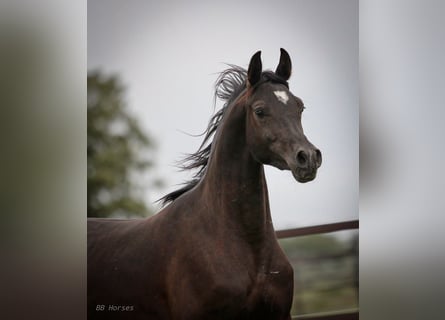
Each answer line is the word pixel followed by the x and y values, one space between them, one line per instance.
pixel 324 228
pixel 340 315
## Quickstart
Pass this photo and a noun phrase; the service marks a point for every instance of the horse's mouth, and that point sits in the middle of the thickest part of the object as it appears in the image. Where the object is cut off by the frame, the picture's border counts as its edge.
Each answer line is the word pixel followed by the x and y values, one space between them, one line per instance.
pixel 304 175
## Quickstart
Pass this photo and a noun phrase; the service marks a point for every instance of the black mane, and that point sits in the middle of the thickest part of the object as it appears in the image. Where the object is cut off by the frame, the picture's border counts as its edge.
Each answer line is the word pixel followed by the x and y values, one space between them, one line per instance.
pixel 229 85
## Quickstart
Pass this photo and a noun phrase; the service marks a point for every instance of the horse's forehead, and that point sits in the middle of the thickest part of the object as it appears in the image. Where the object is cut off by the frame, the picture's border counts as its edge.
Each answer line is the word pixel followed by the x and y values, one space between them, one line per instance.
pixel 282 96
pixel 277 93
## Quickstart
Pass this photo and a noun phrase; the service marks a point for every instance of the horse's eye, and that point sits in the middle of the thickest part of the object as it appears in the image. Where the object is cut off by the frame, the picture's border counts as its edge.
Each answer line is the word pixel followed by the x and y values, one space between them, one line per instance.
pixel 259 112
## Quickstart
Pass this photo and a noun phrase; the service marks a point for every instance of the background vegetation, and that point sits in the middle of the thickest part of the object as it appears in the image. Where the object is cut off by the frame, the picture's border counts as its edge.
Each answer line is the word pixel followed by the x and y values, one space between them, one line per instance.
pixel 325 272
pixel 118 152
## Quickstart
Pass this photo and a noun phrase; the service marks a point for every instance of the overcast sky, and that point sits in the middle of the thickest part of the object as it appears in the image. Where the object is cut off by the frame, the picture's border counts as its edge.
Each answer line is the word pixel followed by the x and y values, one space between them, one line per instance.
pixel 168 54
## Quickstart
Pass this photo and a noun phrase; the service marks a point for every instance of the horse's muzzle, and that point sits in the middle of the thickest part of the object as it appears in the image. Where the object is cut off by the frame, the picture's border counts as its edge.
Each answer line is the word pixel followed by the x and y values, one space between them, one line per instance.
pixel 307 163
pixel 304 175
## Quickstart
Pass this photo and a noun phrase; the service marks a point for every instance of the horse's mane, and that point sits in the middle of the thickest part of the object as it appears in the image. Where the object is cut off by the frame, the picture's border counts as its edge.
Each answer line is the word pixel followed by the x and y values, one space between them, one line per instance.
pixel 228 86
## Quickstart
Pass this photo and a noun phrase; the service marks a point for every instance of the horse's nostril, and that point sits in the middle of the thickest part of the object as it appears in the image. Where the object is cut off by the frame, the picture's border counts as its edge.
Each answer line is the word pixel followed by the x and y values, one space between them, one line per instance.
pixel 301 158
pixel 318 156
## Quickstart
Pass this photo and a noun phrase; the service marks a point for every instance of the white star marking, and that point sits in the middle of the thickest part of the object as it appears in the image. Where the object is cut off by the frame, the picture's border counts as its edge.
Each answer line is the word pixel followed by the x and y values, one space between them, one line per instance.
pixel 282 96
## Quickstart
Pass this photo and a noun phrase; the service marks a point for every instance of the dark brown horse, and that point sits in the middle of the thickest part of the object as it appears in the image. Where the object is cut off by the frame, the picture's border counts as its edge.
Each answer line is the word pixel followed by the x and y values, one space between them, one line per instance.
pixel 211 253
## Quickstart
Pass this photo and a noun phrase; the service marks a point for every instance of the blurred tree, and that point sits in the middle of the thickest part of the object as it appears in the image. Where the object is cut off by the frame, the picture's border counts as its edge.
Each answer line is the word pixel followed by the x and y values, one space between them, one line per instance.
pixel 117 150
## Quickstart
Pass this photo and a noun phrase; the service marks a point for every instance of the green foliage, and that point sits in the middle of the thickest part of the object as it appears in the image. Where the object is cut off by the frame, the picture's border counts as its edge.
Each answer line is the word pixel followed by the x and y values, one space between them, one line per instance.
pixel 308 246
pixel 325 273
pixel 118 150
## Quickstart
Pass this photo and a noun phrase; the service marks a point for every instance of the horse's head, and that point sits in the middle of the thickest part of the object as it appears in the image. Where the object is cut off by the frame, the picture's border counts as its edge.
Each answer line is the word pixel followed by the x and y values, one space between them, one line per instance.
pixel 273 130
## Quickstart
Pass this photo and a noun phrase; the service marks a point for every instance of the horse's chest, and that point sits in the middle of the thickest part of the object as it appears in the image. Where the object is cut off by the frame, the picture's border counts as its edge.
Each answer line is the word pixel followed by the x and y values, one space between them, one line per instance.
pixel 271 293
pixel 266 294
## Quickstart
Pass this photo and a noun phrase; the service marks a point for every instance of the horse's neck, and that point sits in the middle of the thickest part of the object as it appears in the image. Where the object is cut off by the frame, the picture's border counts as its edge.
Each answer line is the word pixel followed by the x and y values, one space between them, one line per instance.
pixel 234 184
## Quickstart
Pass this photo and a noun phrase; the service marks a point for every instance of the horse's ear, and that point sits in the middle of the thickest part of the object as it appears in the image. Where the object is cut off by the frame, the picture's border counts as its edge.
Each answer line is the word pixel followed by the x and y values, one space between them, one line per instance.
pixel 284 68
pixel 255 69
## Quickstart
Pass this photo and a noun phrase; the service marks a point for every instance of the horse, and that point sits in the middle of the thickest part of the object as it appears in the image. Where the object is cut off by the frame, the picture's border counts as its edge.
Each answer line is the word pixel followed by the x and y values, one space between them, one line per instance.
pixel 211 252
